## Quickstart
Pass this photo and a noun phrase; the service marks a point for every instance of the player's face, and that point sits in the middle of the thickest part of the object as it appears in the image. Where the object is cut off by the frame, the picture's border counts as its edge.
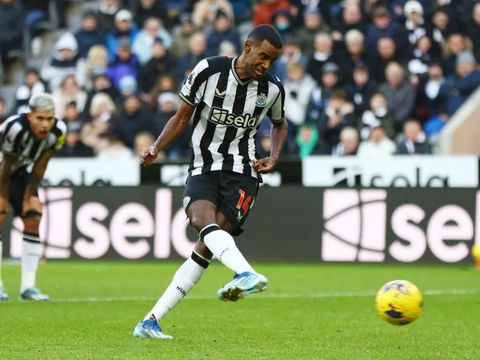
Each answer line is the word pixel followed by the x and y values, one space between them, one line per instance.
pixel 41 122
pixel 260 58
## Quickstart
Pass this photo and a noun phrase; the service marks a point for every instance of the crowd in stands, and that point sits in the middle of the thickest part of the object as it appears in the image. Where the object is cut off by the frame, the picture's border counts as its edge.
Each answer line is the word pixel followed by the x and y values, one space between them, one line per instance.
pixel 365 77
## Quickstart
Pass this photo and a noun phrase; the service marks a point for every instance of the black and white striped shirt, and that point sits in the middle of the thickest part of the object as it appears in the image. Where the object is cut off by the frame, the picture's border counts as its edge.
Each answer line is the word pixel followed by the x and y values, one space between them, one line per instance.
pixel 17 139
pixel 227 115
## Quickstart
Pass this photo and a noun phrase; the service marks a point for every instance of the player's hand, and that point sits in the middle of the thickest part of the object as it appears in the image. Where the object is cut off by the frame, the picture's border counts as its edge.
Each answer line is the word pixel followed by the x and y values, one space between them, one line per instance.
pixel 148 155
pixel 264 165
pixel 32 203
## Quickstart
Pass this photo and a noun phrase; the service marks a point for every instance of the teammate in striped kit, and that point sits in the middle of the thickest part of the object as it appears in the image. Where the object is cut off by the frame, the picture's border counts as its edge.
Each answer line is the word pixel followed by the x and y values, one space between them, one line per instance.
pixel 28 141
pixel 226 99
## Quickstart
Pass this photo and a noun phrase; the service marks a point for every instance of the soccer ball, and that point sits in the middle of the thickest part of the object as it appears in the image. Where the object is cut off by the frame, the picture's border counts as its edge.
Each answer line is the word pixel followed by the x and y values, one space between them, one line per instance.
pixel 399 302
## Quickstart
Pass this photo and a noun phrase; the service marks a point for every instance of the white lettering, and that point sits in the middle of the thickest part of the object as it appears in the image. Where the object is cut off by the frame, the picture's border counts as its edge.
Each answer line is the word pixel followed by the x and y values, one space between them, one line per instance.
pixel 440 228
pixel 88 219
pixel 131 220
pixel 403 220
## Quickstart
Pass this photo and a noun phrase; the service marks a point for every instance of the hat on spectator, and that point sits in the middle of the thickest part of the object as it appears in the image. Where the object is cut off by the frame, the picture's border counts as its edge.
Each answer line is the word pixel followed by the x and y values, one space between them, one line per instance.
pixel 74 127
pixel 124 43
pixel 98 71
pixel 330 67
pixel 128 83
pixel 123 15
pixel 167 97
pixel 465 57
pixel 185 17
pixel 412 6
pixel 311 11
pixel 380 11
pixel 360 65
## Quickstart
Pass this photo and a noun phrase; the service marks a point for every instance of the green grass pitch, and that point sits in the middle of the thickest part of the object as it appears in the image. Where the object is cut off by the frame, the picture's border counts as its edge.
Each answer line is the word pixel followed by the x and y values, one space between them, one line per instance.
pixel 310 311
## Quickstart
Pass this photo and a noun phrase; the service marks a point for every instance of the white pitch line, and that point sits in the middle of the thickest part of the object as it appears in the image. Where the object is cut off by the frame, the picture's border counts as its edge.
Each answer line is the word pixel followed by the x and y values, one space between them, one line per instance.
pixel 319 295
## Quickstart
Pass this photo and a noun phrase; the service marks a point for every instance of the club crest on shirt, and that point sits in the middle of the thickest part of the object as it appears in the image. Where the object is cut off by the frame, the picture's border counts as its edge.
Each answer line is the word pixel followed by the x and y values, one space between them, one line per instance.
pixel 190 78
pixel 261 100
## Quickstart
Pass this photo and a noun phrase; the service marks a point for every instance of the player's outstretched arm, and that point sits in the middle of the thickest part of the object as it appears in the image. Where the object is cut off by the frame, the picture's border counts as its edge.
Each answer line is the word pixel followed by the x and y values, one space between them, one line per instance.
pixel 278 134
pixel 175 126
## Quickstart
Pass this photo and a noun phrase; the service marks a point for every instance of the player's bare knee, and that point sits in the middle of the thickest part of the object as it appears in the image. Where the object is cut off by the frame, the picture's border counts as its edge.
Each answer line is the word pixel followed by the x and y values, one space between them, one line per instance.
pixel 31 221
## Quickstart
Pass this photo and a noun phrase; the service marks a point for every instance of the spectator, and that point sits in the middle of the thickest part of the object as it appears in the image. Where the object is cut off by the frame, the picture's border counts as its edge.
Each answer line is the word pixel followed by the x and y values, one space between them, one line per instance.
pixel 32 85
pixel 89 35
pixel 321 94
pixel 263 12
pixel 348 144
pixel 125 28
pixel 307 140
pixel 377 115
pixel 64 61
pixel 143 44
pixel 312 24
pixel 181 35
pixel 131 121
pixel 291 54
pixel 168 103
pixel 67 92
pixel 350 18
pixel 442 27
pixel 414 23
pixel 432 94
pixel 223 30
pixel 415 141
pixel 377 146
pixel 97 60
pixel 361 89
pixel 124 64
pixel 101 114
pixel 197 47
pixel 355 54
pixel 107 9
pixel 422 56
pixel 323 53
pixel 282 21
pixel 383 26
pixel 463 83
pixel 144 9
pixel 338 114
pixel 74 146
pixel 204 12
pixel 386 53
pixel 100 84
pixel 71 114
pixel 161 63
pixel 165 83
pixel 298 89
pixel 400 94
pixel 456 43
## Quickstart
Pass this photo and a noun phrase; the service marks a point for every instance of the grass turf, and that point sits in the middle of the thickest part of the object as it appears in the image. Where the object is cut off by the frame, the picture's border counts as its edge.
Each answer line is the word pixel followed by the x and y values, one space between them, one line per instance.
pixel 311 311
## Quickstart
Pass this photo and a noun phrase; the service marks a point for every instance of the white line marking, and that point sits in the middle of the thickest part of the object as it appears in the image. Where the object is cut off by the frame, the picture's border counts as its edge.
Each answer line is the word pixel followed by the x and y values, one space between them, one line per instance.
pixel 349 294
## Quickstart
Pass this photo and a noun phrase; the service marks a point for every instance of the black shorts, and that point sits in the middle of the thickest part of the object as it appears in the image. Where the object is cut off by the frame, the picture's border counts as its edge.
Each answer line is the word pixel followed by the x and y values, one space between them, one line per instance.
pixel 234 194
pixel 18 184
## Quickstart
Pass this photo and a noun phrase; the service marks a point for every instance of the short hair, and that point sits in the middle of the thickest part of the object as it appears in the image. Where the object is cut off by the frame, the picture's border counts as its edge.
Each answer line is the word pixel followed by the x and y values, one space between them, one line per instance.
pixel 42 101
pixel 266 32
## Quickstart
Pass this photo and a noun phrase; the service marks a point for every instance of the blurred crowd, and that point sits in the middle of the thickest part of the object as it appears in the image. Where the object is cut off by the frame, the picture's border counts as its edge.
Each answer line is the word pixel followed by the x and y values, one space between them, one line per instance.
pixel 362 77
